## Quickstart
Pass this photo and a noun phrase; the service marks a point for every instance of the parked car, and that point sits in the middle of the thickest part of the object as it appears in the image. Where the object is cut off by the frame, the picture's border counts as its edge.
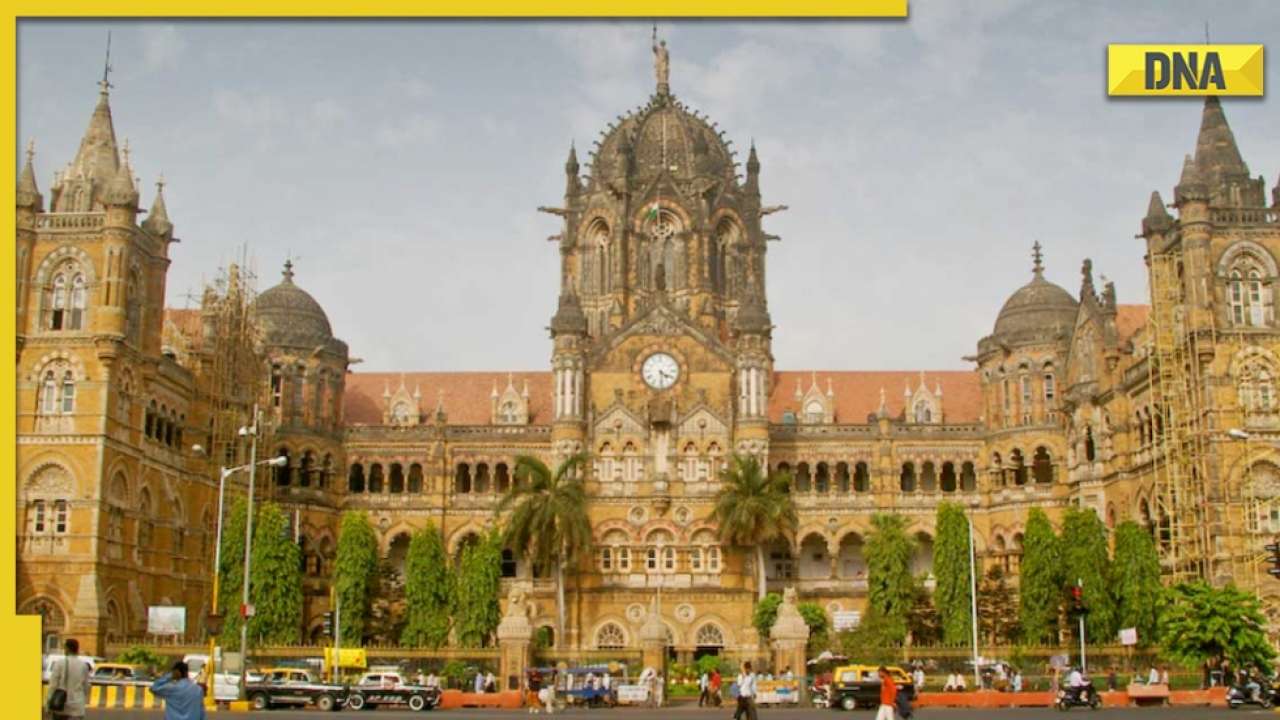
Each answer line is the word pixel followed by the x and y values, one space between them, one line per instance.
pixel 119 674
pixel 292 687
pixel 855 686
pixel 46 663
pixel 377 689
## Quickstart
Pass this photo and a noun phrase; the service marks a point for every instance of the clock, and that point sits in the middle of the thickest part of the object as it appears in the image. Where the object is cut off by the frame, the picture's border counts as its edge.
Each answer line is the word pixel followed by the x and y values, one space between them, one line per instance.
pixel 660 371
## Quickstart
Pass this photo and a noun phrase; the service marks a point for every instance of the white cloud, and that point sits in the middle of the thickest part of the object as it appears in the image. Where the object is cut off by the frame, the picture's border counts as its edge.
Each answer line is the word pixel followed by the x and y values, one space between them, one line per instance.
pixel 161 46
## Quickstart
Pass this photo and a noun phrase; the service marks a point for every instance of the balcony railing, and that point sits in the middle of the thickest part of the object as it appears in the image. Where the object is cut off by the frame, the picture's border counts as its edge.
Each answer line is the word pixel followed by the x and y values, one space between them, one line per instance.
pixel 70 222
pixel 1245 216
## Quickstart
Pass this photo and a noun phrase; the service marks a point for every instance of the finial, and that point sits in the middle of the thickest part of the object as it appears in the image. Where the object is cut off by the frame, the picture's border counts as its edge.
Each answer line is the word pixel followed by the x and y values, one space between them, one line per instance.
pixel 1038 260
pixel 105 83
pixel 160 183
pixel 31 149
pixel 288 270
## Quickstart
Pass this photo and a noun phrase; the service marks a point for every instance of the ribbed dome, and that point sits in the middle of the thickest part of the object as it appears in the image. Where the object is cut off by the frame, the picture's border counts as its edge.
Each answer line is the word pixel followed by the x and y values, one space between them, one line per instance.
pixel 1038 305
pixel 290 316
pixel 664 128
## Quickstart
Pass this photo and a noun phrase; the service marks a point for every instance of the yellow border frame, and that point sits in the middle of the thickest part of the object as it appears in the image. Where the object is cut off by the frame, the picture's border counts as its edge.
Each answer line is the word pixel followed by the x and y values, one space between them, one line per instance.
pixel 20 658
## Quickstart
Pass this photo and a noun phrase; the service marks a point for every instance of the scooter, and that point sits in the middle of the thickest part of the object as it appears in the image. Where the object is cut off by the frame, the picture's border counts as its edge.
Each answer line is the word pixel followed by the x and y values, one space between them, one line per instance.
pixel 1238 695
pixel 818 696
pixel 1083 696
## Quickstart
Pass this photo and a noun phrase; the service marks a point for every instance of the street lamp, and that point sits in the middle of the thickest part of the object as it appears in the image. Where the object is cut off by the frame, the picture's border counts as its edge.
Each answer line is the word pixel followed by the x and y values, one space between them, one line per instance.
pixel 973 604
pixel 1238 434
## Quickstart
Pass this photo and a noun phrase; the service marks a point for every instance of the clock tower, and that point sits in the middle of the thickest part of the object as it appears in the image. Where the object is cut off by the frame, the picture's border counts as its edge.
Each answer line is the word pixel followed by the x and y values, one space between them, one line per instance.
pixel 662 362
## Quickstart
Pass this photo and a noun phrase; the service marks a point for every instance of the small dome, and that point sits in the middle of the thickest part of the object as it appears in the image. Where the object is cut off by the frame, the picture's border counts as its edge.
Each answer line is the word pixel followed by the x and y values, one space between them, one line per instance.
pixel 663 129
pixel 290 316
pixel 1037 308
pixel 1038 305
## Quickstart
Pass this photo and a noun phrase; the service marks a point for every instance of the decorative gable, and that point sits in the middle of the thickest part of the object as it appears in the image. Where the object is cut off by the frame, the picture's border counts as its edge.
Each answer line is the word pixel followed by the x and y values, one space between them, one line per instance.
pixel 816 407
pixel 401 408
pixel 923 406
pixel 510 407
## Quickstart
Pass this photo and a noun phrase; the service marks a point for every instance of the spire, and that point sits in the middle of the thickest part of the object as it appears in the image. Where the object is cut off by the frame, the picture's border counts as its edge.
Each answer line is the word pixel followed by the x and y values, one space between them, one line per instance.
pixel 1037 261
pixel 28 192
pixel 121 190
pixel 1216 151
pixel 1158 219
pixel 288 271
pixel 158 217
pixel 1191 184
pixel 753 168
pixel 1086 279
pixel 572 184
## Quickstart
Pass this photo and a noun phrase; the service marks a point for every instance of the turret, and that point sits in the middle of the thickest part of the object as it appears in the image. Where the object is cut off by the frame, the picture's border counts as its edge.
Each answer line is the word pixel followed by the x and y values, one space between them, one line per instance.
pixel 1222 168
pixel 1191 186
pixel 572 182
pixel 1158 220
pixel 157 222
pixel 29 197
pixel 753 171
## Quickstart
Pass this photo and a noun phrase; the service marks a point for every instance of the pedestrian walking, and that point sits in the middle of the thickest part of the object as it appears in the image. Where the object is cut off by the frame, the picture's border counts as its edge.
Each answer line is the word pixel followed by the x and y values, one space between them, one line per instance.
pixel 68 683
pixel 715 682
pixel 704 689
pixel 183 699
pixel 747 680
pixel 888 695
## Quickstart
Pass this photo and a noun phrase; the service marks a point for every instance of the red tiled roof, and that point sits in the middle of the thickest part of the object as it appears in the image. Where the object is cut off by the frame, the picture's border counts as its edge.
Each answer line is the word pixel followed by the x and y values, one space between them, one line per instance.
pixel 467 394
pixel 1130 318
pixel 187 321
pixel 857 392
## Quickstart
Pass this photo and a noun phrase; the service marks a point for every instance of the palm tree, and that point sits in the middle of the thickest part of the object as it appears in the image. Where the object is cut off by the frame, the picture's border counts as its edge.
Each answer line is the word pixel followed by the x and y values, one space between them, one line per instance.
pixel 548 520
pixel 754 508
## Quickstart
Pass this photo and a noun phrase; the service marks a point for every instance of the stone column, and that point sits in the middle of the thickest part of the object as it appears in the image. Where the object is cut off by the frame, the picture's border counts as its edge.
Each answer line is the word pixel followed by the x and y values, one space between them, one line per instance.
pixel 789 636
pixel 515 634
pixel 653 639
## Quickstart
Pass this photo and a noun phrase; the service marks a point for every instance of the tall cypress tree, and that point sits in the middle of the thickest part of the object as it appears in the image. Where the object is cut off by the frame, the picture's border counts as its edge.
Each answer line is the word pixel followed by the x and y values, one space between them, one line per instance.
pixel 1135 578
pixel 355 573
pixel 1039 584
pixel 952 595
pixel 427 590
pixel 275 580
pixel 889 582
pixel 1085 558
pixel 475 609
pixel 231 569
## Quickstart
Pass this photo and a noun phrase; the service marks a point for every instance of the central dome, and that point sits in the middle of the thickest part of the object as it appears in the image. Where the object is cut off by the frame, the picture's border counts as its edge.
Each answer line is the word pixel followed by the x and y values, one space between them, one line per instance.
pixel 1035 306
pixel 662 135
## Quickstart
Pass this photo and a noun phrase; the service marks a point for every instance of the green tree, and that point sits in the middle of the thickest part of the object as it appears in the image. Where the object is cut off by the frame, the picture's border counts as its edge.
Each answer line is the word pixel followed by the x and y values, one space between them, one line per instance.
pixel 1201 622
pixel 766 613
pixel 428 589
pixel 275 580
pixel 231 568
pixel 1135 579
pixel 355 574
pixel 997 608
pixel 951 595
pixel 890 585
pixel 922 621
pixel 548 519
pixel 1085 558
pixel 874 640
pixel 754 508
pixel 387 607
pixel 144 656
pixel 816 619
pixel 1039 581
pixel 475 612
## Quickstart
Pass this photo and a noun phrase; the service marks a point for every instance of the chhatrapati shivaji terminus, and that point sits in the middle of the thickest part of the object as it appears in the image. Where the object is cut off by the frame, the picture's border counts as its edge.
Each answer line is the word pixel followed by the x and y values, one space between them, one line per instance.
pixel 660 369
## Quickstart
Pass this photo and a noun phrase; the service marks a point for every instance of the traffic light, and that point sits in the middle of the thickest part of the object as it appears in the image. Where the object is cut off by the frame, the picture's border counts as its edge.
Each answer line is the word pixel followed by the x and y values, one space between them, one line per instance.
pixel 328 624
pixel 1273 556
pixel 1077 600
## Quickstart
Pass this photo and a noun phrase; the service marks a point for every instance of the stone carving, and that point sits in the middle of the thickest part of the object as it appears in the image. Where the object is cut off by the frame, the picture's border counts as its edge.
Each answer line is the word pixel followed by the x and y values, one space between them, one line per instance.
pixel 517 605
pixel 790 624
pixel 661 60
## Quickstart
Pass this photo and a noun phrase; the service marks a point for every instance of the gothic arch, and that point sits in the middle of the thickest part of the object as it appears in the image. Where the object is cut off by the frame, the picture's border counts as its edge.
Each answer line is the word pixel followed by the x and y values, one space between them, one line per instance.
pixel 611 622
pixel 716 621
pixel 1236 250
pixel 50 478
pixel 390 534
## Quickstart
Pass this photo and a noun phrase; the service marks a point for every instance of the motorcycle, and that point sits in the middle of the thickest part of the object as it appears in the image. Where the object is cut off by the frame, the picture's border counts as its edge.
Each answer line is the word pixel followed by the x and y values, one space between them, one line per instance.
pixel 1083 696
pixel 818 696
pixel 1238 695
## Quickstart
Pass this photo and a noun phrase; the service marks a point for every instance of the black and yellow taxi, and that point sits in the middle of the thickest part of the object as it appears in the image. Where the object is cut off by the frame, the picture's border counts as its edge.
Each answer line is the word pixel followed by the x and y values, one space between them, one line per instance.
pixel 855 686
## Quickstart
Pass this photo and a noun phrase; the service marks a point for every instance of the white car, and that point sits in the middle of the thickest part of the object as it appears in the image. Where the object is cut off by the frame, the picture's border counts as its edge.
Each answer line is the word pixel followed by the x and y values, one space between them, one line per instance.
pixel 47 663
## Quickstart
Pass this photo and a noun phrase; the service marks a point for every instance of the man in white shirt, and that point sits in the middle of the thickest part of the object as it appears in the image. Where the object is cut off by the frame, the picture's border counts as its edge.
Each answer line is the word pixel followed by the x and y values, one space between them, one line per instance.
pixel 917 678
pixel 746 693
pixel 704 684
pixel 1153 677
pixel 432 680
pixel 71 675
pixel 1075 679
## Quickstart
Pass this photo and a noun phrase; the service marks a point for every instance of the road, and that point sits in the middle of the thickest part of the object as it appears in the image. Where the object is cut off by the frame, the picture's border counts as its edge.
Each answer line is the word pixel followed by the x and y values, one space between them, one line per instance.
pixel 680 712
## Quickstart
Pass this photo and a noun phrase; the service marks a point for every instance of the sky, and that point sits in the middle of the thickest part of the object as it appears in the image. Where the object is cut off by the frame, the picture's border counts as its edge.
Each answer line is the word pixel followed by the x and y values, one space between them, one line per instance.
pixel 400 163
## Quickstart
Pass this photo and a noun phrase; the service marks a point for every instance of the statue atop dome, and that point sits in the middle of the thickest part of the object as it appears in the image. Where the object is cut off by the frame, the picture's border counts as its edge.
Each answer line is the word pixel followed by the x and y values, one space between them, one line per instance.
pixel 661 63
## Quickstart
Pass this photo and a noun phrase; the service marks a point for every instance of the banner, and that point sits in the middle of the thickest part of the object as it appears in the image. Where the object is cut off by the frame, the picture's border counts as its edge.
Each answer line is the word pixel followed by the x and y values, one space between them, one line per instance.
pixel 633 694
pixel 346 657
pixel 777 692
pixel 166 620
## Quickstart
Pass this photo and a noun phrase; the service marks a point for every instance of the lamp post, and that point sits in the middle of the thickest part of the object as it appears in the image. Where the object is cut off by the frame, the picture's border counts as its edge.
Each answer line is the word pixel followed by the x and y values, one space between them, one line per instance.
pixel 973 604
pixel 251 431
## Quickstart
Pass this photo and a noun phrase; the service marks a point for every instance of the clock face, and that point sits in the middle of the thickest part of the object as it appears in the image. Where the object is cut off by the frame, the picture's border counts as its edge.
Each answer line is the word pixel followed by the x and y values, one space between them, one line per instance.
pixel 660 371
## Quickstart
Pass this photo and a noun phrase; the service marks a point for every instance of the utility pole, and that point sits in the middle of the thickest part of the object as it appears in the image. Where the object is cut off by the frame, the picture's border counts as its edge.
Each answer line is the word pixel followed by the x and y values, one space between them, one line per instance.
pixel 248 551
pixel 1084 664
pixel 973 604
pixel 337 634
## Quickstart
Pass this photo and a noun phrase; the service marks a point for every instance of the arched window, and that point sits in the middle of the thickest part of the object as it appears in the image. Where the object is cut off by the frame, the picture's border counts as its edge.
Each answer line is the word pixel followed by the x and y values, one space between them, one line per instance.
pixel 924 413
pixel 355 478
pixel 610 637
pixel 928 477
pixel 1025 382
pixel 968 477
pixel 689 462
pixel 861 478
pixel 802 477
pixel 375 478
pixel 462 478
pixel 1090 452
pixel 1019 467
pixel 1050 389
pixel 708 636
pixel 719 250
pixel 284 473
pixel 1249 293
pixel 907 481
pixel 822 479
pixel 146 528
pixel 49 394
pixel 397 478
pixel 415 478
pixel 997 469
pixel 1042 466
pixel 948 477
pixel 133 305
pixel 842 478
pixel 813 412
pixel 306 468
pixel 326 470
pixel 38 517
pixel 1257 389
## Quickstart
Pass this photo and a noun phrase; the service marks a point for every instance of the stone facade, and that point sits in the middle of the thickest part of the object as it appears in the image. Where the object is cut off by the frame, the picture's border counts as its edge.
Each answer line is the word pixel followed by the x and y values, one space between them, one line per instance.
pixel 661 368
